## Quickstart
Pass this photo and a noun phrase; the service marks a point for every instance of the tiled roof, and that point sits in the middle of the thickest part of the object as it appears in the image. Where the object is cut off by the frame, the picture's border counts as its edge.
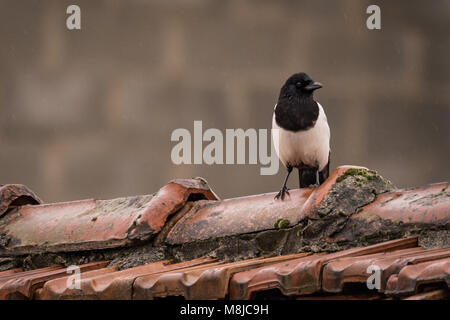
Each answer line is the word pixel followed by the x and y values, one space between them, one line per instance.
pixel 309 246
pixel 404 273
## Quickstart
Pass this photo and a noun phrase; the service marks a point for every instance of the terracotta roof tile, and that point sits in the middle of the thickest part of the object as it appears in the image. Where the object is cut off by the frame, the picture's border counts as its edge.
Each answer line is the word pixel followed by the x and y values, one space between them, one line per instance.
pixel 22 285
pixel 96 224
pixel 12 195
pixel 206 282
pixel 410 278
pixel 428 204
pixel 209 219
pixel 338 273
pixel 115 285
pixel 58 289
pixel 14 275
pixel 301 276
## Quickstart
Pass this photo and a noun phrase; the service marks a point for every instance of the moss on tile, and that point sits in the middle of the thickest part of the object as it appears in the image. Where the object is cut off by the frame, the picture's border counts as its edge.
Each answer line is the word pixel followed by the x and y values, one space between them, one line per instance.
pixel 282 224
pixel 359 174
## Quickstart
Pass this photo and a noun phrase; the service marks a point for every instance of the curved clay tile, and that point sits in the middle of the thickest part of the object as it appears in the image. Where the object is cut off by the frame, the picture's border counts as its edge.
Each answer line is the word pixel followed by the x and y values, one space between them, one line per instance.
pixel 12 195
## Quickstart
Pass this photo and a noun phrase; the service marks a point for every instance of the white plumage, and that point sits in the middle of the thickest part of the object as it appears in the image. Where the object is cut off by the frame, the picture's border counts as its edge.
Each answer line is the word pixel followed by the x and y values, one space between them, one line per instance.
pixel 310 147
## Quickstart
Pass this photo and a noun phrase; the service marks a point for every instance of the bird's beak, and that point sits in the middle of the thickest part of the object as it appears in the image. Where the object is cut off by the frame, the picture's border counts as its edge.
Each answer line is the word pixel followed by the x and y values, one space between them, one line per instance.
pixel 313 86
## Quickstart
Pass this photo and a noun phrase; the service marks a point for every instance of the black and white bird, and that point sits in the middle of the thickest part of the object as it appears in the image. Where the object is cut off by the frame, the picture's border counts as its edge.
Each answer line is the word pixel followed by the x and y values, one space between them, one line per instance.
pixel 301 133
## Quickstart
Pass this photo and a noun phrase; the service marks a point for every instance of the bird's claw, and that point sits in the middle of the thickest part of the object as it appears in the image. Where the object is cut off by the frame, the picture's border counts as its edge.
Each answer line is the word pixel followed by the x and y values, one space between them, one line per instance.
pixel 315 185
pixel 282 193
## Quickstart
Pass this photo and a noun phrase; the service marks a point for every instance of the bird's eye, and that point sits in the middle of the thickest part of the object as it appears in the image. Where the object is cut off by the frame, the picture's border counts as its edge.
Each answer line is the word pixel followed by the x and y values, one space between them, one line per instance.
pixel 298 84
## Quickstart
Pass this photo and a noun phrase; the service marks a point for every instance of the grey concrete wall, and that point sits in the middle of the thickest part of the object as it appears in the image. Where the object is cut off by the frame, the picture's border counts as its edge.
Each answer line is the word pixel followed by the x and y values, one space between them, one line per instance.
pixel 89 113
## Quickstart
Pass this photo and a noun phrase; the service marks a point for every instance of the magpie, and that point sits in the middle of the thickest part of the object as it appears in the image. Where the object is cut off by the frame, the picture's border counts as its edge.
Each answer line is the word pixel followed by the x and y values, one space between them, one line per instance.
pixel 301 133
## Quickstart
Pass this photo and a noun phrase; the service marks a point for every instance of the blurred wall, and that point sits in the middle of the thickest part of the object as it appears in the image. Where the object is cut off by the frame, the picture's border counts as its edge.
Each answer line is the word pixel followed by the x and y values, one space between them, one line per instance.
pixel 89 113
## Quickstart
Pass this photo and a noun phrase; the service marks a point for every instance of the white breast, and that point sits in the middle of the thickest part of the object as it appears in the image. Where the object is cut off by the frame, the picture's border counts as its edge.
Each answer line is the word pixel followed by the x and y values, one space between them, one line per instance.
pixel 310 147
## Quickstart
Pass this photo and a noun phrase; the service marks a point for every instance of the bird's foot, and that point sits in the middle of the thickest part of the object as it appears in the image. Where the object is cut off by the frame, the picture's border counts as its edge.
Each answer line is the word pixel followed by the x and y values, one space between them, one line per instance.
pixel 282 193
pixel 315 185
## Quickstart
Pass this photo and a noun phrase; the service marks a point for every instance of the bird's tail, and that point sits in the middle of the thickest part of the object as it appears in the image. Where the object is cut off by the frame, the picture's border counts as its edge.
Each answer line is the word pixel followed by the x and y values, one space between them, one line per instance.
pixel 307 176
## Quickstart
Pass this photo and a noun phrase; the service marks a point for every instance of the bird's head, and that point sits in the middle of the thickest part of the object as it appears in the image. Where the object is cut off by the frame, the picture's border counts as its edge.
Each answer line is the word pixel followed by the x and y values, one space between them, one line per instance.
pixel 299 84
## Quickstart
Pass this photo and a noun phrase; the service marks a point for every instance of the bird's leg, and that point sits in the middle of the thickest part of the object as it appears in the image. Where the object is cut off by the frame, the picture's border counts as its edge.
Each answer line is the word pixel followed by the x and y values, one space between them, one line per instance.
pixel 284 190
